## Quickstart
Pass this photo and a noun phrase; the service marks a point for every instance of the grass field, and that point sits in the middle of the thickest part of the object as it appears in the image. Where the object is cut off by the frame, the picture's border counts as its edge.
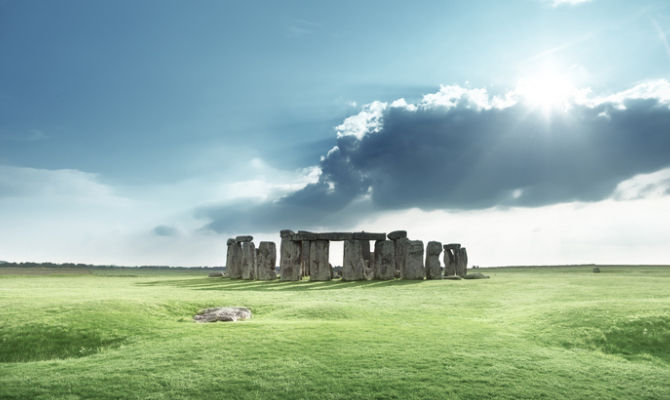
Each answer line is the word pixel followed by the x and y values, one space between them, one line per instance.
pixel 526 333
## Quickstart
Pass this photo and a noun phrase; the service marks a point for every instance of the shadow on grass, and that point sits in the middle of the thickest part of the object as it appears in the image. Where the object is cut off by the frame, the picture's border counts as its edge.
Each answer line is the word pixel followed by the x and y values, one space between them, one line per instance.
pixel 243 285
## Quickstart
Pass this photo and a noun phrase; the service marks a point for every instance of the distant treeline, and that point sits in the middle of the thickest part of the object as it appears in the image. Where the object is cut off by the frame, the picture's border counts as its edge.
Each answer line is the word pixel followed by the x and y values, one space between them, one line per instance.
pixel 91 266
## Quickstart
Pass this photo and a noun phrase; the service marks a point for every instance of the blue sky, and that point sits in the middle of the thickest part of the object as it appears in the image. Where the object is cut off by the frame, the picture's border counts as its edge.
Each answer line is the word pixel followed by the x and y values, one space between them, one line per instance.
pixel 149 131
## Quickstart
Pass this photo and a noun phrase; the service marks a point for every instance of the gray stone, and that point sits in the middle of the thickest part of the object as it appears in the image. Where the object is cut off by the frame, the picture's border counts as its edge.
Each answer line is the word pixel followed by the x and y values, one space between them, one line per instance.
pixel 476 275
pixel 217 274
pixel 462 262
pixel 452 246
pixel 384 260
pixel 449 262
pixel 286 233
pixel 230 241
pixel 304 258
pixel 414 269
pixel 319 266
pixel 289 262
pixel 225 314
pixel 244 238
pixel 353 268
pixel 266 261
pixel 433 268
pixel 401 245
pixel 248 260
pixel 234 261
pixel 452 277
pixel 397 235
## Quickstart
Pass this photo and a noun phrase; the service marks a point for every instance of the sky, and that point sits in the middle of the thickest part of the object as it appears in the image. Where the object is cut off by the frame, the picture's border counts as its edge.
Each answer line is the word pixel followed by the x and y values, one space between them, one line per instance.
pixel 148 132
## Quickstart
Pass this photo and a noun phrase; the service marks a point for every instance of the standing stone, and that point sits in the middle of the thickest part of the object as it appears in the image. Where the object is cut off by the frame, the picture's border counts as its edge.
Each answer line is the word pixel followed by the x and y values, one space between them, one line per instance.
pixel 234 260
pixel 248 260
pixel 384 260
pixel 304 258
pixel 414 269
pixel 401 245
pixel 450 260
pixel 289 262
pixel 353 268
pixel 319 266
pixel 266 261
pixel 462 262
pixel 369 267
pixel 433 250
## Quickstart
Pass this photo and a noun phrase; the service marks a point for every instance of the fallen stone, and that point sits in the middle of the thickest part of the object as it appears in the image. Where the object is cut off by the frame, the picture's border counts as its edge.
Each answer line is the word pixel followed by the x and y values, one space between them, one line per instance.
pixel 433 268
pixel 224 314
pixel 397 235
pixel 216 274
pixel 452 277
pixel 476 275
pixel 244 238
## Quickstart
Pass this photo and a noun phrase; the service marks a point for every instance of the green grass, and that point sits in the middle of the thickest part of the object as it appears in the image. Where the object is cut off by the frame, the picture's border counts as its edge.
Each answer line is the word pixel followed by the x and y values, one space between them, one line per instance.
pixel 526 333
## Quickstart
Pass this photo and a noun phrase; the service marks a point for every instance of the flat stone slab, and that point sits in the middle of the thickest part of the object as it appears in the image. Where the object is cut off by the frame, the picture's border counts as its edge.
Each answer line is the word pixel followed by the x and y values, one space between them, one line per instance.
pixel 244 238
pixel 476 275
pixel 224 314
pixel 304 235
pixel 397 235
pixel 452 277
pixel 452 246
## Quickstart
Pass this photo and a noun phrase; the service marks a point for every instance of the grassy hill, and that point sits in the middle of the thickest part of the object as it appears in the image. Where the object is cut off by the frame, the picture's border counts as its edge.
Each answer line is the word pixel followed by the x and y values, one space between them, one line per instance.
pixel 526 333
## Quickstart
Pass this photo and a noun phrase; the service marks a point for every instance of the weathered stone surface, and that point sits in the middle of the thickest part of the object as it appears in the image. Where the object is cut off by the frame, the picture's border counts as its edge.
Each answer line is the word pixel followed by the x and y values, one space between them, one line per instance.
pixel 289 263
pixel 234 261
pixel 304 257
pixel 304 235
pixel 462 262
pixel 319 266
pixel 230 241
pixel 476 275
pixel 452 246
pixel 401 245
pixel 384 260
pixel 414 268
pixel 397 235
pixel 452 277
pixel 266 261
pixel 433 268
pixel 449 262
pixel 248 260
pixel 226 314
pixel 353 268
pixel 217 274
pixel 286 233
pixel 244 238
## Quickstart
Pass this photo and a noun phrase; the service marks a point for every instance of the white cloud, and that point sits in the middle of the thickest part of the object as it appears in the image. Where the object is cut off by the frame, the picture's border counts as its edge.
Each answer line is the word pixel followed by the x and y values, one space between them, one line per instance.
pixel 368 120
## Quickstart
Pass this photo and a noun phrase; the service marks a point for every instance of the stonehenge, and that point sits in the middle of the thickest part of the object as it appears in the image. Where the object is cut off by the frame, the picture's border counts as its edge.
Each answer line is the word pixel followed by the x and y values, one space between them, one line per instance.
pixel 305 254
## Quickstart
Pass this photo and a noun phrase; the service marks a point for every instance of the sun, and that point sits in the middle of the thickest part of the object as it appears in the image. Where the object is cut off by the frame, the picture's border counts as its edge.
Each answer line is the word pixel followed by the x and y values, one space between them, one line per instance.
pixel 549 91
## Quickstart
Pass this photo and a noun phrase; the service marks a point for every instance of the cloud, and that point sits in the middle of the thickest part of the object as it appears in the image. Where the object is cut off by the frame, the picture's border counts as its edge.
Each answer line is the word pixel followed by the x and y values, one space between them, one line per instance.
pixel 164 230
pixel 463 149
pixel 558 3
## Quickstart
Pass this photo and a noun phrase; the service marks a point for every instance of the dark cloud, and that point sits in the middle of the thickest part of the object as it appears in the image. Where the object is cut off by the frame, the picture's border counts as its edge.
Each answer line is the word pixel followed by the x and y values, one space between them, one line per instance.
pixel 467 157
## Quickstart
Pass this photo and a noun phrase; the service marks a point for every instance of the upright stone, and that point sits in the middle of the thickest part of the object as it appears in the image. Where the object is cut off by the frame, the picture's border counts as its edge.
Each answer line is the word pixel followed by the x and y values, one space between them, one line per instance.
pixel 353 268
pixel 289 262
pixel 319 267
pixel 414 269
pixel 304 257
pixel 462 262
pixel 266 261
pixel 248 260
pixel 449 260
pixel 384 260
pixel 433 250
pixel 234 260
pixel 401 245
